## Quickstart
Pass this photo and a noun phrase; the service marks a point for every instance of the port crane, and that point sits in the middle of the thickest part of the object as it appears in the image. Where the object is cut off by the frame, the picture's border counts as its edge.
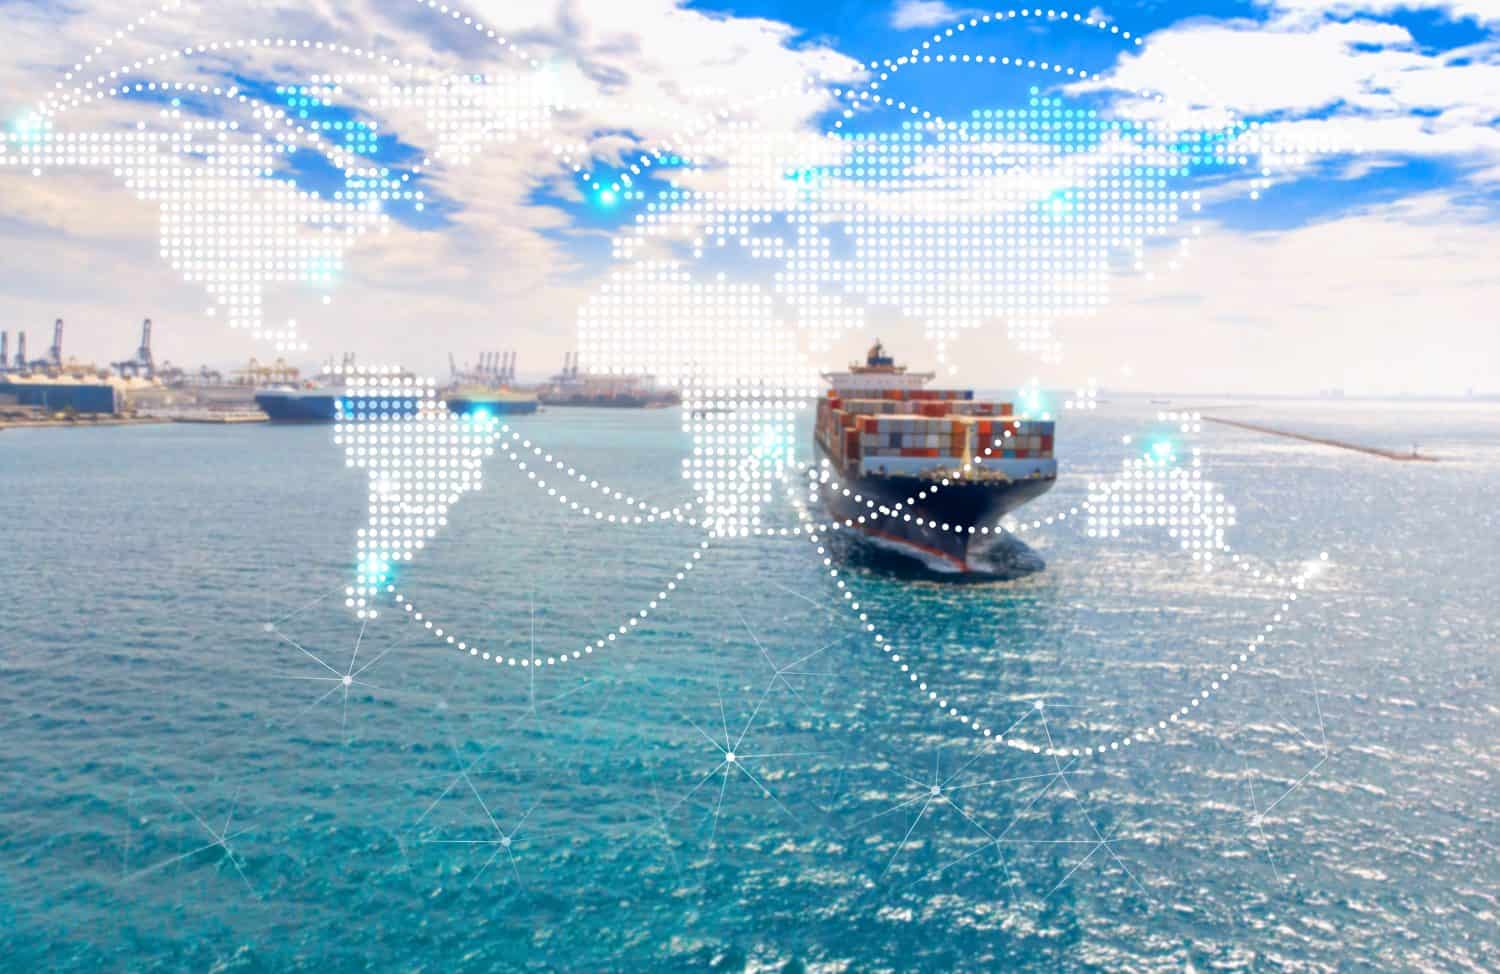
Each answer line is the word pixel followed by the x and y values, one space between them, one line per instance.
pixel 277 373
pixel 569 368
pixel 493 368
pixel 51 364
pixel 143 363
pixel 54 354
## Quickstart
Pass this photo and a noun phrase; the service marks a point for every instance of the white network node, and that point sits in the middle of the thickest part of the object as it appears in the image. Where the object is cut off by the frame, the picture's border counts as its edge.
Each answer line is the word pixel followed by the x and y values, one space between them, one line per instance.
pixel 752 253
pixel 1161 489
pixel 232 221
pixel 420 458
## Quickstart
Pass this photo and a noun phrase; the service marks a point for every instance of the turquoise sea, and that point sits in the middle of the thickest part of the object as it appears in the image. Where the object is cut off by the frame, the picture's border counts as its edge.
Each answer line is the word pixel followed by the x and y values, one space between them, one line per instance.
pixel 187 782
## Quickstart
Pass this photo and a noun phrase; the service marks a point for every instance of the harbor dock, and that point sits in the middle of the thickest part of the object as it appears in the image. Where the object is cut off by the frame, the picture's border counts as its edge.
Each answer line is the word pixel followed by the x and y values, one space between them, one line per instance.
pixel 218 416
pixel 84 420
pixel 1374 451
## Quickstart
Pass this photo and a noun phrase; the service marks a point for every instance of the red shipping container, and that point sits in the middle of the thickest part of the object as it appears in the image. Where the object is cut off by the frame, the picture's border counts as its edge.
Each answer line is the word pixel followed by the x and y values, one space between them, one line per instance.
pixel 1023 454
pixel 1047 442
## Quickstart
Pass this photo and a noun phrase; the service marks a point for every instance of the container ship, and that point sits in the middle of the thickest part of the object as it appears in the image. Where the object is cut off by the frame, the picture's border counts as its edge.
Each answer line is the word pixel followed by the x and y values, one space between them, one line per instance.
pixel 940 466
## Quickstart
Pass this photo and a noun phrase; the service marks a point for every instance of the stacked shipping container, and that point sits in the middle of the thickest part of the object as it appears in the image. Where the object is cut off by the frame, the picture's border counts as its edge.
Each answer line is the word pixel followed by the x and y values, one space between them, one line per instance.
pixel 949 427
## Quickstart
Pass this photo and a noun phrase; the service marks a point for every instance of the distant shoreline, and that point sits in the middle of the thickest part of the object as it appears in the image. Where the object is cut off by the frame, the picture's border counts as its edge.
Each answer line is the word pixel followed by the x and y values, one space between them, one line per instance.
pixel 91 420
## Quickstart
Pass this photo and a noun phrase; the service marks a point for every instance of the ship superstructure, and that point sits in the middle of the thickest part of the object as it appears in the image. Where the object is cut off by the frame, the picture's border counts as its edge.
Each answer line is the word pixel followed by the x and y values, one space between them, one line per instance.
pixel 926 472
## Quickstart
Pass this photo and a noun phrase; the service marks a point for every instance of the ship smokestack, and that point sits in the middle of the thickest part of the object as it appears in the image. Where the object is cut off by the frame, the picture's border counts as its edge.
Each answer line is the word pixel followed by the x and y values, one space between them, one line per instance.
pixel 21 350
pixel 55 352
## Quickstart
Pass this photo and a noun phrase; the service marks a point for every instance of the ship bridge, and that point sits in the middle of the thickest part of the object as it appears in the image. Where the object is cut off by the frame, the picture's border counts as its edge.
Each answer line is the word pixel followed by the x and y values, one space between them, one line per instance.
pixel 878 374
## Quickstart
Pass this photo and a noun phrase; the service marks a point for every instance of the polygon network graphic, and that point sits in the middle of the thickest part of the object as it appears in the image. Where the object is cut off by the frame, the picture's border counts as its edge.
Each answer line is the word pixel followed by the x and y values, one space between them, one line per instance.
pixel 956 189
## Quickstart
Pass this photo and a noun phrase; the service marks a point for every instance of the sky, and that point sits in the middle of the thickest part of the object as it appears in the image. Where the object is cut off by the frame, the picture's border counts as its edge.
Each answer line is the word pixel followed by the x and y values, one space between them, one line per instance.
pixel 1369 268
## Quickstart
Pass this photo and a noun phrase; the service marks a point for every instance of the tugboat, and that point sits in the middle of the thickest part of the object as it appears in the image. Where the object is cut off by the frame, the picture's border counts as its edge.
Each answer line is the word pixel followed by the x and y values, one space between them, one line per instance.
pixel 926 473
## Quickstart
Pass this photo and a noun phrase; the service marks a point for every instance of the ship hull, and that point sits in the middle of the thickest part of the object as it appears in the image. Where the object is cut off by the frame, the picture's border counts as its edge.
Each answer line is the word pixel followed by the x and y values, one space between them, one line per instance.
pixel 494 407
pixel 319 407
pixel 949 547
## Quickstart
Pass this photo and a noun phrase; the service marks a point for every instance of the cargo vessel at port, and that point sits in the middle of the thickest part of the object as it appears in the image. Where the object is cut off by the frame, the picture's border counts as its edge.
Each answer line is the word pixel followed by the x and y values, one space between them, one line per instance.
pixel 331 400
pixel 926 473
pixel 474 399
pixel 488 388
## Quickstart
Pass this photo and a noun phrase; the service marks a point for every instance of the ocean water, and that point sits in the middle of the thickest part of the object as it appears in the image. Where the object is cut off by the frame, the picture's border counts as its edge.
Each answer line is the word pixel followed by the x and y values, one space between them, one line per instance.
pixel 187 783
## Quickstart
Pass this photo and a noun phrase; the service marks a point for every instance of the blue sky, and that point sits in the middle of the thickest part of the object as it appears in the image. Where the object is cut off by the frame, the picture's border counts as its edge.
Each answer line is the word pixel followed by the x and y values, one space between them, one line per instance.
pixel 870 31
pixel 503 250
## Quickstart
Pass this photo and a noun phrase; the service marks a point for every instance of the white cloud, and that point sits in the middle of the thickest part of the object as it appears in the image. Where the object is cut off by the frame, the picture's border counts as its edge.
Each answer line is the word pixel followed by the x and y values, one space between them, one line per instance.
pixel 1347 292
pixel 498 276
pixel 911 14
pixel 1359 83
pixel 1483 11
pixel 1395 298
